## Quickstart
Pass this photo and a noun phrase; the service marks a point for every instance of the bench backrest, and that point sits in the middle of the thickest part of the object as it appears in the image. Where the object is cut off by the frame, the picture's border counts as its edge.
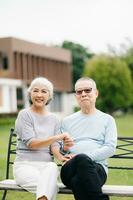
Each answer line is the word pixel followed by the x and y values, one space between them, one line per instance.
pixel 124 153
pixel 11 151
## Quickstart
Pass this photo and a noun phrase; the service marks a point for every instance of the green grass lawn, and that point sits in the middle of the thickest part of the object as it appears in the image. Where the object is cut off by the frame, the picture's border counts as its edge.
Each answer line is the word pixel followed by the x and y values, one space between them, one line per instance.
pixel 125 128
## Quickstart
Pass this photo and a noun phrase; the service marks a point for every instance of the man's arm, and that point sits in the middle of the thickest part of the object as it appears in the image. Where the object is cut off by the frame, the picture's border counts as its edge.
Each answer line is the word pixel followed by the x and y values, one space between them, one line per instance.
pixel 108 148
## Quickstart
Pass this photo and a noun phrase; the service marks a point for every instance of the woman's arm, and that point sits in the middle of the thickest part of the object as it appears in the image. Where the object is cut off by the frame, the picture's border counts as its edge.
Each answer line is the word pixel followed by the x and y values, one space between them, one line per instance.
pixel 63 158
pixel 39 143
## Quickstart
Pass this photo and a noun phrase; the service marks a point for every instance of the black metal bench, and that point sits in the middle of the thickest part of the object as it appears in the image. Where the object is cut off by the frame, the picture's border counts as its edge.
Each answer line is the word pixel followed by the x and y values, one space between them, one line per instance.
pixel 124 151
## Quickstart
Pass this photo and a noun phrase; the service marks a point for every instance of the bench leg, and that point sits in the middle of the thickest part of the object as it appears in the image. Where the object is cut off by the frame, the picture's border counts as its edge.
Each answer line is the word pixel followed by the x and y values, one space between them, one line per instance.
pixel 4 195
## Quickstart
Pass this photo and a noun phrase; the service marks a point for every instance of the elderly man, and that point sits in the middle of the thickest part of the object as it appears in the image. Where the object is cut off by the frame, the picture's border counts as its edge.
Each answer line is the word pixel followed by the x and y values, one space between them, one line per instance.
pixel 95 136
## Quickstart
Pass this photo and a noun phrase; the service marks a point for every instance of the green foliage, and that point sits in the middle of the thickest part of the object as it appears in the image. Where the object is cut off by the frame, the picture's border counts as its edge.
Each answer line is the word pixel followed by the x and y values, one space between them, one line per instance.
pixel 79 56
pixel 114 82
pixel 128 58
pixel 7 121
pixel 76 108
pixel 125 128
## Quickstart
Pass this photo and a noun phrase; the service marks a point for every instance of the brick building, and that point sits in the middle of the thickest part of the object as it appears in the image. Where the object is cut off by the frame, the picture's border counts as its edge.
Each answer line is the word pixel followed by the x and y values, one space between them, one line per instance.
pixel 21 61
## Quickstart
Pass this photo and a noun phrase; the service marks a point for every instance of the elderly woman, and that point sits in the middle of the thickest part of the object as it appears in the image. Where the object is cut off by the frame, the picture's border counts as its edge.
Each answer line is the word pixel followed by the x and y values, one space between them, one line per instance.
pixel 37 134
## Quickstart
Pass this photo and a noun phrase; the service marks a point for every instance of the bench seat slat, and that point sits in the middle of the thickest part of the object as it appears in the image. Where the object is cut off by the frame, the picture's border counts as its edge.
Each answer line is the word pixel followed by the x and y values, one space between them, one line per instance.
pixel 111 190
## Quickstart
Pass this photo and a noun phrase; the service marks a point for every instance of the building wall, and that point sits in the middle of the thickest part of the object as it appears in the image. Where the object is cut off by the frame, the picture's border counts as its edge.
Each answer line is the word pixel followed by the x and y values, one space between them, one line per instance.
pixel 27 60
pixel 29 66
pixel 8 100
pixel 21 61
pixel 63 103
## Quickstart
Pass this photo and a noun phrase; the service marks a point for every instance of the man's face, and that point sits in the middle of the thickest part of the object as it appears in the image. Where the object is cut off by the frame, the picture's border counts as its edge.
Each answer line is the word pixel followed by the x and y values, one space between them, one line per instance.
pixel 86 93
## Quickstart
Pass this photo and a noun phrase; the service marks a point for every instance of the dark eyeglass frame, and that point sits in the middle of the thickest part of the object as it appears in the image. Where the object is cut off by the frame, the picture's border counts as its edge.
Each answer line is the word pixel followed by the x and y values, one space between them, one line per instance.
pixel 87 91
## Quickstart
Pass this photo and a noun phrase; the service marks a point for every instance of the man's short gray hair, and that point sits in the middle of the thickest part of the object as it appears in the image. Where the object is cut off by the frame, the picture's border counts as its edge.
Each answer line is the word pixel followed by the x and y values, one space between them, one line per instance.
pixel 86 79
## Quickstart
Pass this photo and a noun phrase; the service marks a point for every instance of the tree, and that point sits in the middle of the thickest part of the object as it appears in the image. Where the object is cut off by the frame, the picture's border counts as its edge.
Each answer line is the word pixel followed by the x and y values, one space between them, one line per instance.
pixel 79 56
pixel 128 58
pixel 114 82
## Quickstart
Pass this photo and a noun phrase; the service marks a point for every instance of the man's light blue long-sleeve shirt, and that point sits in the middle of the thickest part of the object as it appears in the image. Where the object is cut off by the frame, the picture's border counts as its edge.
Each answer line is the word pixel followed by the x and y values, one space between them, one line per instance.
pixel 94 135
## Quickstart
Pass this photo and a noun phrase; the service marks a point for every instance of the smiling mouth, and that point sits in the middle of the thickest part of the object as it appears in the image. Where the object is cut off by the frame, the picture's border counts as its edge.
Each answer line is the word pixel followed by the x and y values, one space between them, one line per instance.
pixel 39 100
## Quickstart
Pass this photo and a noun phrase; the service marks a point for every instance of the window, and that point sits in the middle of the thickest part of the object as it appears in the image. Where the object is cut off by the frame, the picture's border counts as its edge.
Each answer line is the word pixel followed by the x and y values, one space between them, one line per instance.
pixel 5 61
pixel 20 101
pixel 56 104
pixel 0 60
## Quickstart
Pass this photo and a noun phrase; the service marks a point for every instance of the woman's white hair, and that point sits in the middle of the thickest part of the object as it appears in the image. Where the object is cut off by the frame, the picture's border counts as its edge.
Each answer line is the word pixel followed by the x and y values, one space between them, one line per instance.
pixel 42 81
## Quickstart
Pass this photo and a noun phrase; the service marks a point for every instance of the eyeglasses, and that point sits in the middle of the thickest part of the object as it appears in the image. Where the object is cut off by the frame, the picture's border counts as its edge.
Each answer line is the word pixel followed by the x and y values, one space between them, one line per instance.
pixel 87 91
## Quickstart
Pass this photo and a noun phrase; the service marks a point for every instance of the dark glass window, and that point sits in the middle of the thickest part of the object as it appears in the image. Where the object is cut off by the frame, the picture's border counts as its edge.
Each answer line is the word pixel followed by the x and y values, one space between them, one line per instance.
pixel 20 100
pixel 5 62
pixel 19 94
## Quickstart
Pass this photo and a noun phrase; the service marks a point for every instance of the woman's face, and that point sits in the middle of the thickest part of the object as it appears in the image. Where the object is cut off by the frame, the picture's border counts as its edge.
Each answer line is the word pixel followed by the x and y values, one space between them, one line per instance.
pixel 39 95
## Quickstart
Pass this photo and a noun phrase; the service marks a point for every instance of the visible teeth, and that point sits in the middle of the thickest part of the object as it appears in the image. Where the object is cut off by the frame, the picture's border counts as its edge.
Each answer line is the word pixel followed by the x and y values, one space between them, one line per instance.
pixel 39 100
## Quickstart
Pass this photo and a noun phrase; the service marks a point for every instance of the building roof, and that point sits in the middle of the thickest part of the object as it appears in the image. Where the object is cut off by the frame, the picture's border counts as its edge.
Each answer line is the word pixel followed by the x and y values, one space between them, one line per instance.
pixel 54 53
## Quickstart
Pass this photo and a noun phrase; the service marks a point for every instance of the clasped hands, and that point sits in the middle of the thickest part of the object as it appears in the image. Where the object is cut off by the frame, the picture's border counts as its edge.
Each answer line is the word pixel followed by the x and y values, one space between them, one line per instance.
pixel 67 143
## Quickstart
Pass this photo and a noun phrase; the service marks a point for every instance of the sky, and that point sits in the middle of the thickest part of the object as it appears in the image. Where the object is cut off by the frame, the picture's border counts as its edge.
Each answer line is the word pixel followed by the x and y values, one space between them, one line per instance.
pixel 95 24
